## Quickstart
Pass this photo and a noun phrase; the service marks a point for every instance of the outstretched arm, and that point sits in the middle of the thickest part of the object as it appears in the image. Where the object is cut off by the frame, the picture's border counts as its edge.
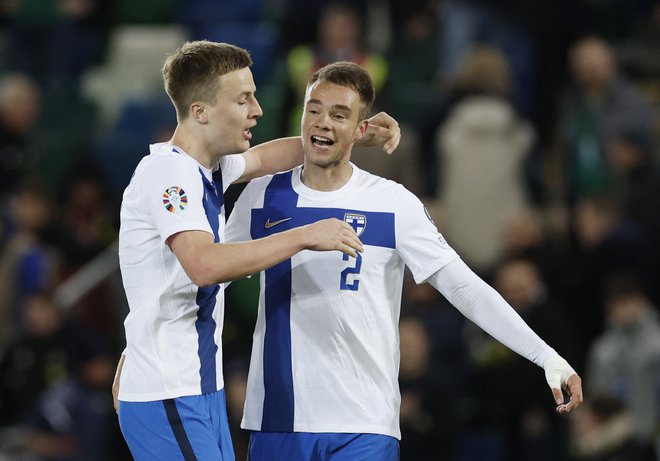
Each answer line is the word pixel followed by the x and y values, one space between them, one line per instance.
pixel 480 303
pixel 285 153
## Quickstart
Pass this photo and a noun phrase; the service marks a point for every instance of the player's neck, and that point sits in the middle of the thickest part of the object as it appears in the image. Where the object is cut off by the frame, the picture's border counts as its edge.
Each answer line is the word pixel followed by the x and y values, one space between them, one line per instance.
pixel 326 179
pixel 192 146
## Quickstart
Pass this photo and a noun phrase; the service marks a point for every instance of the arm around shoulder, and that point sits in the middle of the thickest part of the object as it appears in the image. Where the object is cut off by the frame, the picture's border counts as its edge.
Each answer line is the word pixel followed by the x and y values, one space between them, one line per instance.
pixel 272 157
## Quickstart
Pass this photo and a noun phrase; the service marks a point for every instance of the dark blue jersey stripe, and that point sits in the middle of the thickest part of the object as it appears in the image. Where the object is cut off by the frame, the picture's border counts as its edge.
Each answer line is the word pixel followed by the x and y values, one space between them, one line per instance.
pixel 206 297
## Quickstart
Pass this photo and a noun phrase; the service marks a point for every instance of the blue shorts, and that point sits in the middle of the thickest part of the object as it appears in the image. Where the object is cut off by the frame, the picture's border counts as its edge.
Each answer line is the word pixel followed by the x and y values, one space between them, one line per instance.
pixel 306 446
pixel 186 428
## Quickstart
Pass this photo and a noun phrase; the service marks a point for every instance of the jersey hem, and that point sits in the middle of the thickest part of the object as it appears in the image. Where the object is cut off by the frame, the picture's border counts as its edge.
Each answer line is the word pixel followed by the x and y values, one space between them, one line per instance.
pixel 172 394
pixel 333 428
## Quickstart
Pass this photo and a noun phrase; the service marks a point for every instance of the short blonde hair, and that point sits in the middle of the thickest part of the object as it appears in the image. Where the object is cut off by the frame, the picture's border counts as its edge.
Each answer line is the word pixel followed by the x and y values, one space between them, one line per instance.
pixel 192 73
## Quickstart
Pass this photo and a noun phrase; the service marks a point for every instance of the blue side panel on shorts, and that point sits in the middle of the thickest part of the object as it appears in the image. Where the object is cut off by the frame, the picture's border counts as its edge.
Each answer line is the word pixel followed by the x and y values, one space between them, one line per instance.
pixel 281 203
pixel 179 432
pixel 187 428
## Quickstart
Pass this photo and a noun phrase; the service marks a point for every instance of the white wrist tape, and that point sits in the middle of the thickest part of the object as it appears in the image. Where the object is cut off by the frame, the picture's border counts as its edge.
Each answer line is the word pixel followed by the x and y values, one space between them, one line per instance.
pixel 557 371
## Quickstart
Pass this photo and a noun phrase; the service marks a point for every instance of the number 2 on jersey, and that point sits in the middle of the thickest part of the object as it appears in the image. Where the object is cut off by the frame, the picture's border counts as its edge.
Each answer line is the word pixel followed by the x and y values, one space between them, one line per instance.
pixel 354 285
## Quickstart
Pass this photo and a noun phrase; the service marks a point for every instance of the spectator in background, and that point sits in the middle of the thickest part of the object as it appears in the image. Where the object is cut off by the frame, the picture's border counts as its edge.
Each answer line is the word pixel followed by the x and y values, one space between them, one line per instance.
pixel 72 420
pixel 466 24
pixel 624 361
pixel 86 226
pixel 605 243
pixel 27 264
pixel 430 394
pixel 36 358
pixel 299 23
pixel 482 145
pixel 55 41
pixel 340 38
pixel 509 394
pixel 638 51
pixel 598 103
pixel 631 155
pixel 529 236
pixel 20 106
pixel 412 58
pixel 602 430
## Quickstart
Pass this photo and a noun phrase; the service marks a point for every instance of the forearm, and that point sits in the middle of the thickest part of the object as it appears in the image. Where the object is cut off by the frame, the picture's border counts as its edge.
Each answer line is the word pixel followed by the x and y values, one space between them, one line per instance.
pixel 219 263
pixel 272 157
pixel 480 303
pixel 258 255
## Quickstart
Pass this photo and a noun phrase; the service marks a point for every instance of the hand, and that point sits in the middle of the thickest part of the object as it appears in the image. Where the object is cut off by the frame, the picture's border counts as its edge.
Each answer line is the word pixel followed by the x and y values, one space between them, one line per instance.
pixel 332 234
pixel 115 384
pixel 560 375
pixel 383 129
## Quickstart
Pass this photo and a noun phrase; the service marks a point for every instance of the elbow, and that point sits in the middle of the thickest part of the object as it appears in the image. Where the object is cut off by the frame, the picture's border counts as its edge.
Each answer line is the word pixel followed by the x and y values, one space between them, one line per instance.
pixel 199 279
pixel 205 277
pixel 203 282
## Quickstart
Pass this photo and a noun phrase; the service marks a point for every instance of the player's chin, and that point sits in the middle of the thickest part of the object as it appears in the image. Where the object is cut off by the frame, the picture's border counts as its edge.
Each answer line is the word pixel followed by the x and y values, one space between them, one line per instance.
pixel 242 146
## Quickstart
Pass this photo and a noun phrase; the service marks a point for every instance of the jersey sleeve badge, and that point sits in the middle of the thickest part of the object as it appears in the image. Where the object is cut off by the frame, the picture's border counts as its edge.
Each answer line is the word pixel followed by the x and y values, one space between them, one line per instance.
pixel 175 199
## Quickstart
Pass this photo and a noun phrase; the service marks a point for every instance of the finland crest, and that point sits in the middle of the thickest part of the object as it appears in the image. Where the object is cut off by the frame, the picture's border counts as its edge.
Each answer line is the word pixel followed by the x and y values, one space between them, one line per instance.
pixel 357 222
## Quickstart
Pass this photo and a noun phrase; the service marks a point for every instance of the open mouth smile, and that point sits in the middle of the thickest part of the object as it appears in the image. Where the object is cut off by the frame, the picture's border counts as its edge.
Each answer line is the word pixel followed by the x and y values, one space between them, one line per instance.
pixel 321 141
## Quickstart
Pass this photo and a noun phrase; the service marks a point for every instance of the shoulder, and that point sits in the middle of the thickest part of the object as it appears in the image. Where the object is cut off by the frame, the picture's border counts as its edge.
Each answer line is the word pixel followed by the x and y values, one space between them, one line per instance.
pixel 388 190
pixel 259 185
pixel 253 194
pixel 374 182
pixel 160 165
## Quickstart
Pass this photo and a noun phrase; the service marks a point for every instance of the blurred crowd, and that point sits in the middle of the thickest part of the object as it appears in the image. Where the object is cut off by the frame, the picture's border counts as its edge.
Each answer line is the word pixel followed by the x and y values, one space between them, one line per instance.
pixel 531 130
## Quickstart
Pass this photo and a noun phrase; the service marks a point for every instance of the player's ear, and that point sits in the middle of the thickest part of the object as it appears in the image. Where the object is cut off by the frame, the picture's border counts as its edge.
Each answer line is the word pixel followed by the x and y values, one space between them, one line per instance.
pixel 361 129
pixel 198 112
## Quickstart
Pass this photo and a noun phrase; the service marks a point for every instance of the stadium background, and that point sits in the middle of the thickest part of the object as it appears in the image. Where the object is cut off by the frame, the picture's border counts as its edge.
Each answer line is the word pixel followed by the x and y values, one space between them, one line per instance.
pixel 536 159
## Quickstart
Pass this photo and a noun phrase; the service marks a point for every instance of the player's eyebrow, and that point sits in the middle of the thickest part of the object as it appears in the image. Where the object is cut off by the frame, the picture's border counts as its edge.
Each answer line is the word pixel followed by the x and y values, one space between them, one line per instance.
pixel 336 106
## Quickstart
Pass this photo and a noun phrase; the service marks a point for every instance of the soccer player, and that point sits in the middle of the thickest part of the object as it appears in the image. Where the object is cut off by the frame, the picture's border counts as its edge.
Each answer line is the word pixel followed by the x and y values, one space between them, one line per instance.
pixel 323 373
pixel 174 259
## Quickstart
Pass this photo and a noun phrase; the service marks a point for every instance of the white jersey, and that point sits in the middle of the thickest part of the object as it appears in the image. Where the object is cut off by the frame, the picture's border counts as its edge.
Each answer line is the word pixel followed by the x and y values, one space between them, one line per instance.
pixel 325 354
pixel 174 328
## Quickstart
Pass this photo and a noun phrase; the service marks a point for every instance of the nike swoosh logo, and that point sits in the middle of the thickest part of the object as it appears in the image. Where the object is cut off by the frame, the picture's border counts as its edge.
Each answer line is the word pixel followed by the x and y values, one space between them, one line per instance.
pixel 270 223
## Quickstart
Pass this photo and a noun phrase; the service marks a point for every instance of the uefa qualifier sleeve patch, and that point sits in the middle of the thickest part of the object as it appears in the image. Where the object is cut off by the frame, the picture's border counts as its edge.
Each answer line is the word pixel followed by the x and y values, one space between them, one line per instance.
pixel 175 199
